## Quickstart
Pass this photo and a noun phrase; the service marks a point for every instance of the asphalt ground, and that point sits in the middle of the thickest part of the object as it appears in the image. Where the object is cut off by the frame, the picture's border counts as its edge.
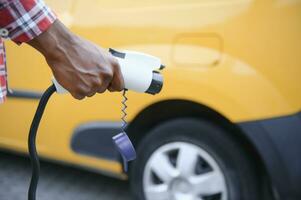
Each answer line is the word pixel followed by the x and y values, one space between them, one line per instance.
pixel 57 182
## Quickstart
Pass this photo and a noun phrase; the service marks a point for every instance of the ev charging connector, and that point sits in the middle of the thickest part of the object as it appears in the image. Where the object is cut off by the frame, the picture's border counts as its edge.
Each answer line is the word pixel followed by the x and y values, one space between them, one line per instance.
pixel 140 73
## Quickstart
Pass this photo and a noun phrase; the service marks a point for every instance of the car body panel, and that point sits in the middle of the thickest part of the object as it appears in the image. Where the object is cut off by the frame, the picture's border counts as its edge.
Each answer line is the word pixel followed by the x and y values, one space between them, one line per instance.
pixel 240 58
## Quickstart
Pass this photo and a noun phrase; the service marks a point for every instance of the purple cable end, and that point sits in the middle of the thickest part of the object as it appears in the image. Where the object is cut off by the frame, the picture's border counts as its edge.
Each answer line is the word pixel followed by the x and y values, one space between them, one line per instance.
pixel 125 148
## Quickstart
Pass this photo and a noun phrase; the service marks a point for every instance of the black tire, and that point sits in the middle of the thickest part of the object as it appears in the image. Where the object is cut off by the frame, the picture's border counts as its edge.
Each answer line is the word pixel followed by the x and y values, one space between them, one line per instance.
pixel 239 171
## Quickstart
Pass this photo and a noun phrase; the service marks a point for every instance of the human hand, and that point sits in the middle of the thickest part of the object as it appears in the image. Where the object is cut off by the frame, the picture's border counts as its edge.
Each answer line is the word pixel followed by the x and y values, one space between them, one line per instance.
pixel 78 65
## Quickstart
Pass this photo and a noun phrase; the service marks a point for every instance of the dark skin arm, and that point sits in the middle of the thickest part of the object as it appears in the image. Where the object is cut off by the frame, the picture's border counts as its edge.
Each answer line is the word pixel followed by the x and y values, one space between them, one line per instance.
pixel 80 66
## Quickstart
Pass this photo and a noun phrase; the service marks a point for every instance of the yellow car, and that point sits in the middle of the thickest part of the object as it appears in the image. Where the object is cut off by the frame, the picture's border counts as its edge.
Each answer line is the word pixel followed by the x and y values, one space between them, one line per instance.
pixel 227 124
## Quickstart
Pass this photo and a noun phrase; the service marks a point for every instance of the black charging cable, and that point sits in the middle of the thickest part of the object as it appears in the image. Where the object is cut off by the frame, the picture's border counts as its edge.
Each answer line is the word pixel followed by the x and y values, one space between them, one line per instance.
pixel 32 142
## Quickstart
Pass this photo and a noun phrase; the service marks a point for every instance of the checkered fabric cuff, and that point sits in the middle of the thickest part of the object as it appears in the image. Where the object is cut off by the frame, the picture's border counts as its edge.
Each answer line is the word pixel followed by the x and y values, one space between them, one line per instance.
pixel 3 89
pixel 3 73
pixel 23 20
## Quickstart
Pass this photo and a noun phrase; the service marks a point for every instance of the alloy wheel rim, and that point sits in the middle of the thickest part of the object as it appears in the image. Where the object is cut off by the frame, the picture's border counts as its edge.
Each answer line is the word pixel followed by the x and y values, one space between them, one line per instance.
pixel 183 171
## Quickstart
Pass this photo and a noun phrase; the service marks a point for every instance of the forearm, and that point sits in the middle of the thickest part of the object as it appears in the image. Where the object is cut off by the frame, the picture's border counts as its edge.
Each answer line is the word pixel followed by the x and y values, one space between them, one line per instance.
pixel 54 41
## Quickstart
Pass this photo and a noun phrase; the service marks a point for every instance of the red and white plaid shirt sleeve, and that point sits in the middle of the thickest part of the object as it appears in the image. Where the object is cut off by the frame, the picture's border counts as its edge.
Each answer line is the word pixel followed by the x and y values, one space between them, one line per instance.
pixel 3 89
pixel 21 21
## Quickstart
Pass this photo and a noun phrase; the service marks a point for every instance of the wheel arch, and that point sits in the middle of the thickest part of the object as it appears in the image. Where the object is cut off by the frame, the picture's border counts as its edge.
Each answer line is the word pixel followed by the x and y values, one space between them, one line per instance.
pixel 166 110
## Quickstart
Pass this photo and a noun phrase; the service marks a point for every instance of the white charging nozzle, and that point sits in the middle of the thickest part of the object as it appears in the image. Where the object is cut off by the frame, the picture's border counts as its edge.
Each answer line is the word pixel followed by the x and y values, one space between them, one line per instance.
pixel 59 89
pixel 140 72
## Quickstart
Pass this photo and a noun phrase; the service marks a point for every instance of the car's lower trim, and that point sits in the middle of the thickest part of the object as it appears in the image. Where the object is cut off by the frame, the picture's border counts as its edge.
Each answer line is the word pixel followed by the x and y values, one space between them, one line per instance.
pixel 24 94
pixel 95 139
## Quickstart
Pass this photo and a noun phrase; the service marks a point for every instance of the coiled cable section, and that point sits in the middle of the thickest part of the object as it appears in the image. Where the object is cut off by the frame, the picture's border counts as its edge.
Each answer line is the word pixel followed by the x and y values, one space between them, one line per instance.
pixel 123 110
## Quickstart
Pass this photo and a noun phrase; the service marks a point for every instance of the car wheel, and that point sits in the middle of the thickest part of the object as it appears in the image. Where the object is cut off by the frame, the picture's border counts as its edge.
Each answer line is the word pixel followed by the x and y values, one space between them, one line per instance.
pixel 191 159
